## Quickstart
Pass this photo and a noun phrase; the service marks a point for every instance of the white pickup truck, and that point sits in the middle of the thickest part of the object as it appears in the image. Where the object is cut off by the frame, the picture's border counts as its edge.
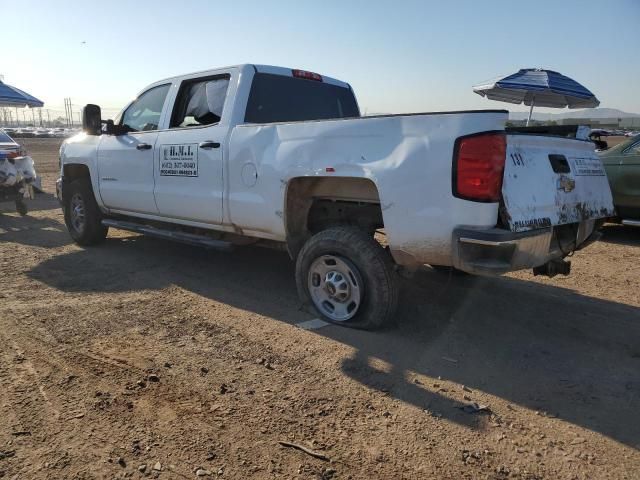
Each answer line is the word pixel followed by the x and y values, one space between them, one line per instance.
pixel 255 154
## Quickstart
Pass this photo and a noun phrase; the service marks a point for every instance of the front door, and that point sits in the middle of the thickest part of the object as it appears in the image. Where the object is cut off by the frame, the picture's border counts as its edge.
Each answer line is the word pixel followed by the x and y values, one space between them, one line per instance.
pixel 189 155
pixel 125 162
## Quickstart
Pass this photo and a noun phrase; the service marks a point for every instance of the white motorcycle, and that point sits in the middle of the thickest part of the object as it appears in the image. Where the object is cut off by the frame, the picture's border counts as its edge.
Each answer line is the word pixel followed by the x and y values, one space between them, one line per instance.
pixel 17 177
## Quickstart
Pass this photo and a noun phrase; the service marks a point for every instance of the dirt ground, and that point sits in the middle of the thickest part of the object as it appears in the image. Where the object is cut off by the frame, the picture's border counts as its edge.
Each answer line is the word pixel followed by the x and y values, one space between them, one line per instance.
pixel 142 358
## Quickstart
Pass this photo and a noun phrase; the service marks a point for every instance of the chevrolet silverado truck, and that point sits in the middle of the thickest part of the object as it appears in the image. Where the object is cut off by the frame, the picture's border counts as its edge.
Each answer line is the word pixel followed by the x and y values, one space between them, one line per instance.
pixel 271 156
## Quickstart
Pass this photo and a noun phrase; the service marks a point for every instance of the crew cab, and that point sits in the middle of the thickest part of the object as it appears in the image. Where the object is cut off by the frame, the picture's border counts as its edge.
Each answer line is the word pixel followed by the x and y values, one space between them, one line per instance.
pixel 264 155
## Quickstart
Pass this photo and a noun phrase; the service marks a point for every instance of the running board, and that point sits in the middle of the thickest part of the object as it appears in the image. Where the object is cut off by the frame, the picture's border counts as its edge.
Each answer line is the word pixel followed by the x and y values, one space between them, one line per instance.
pixel 189 238
pixel 631 223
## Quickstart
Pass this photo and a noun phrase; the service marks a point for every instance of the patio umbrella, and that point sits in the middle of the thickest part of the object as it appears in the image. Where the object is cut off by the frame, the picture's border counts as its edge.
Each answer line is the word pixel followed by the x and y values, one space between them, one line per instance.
pixel 543 88
pixel 14 97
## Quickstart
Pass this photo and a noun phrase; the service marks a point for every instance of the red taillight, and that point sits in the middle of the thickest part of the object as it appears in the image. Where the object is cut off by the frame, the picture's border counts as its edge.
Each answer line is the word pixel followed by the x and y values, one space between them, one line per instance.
pixel 478 166
pixel 21 152
pixel 306 75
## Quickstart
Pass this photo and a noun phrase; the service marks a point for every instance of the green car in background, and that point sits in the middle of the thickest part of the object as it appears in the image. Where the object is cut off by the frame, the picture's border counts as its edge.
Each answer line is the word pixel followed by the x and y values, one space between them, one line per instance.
pixel 622 164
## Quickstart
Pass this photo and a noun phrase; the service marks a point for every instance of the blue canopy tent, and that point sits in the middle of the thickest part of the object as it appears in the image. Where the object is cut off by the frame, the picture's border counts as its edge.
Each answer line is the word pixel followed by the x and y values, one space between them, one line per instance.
pixel 535 86
pixel 14 97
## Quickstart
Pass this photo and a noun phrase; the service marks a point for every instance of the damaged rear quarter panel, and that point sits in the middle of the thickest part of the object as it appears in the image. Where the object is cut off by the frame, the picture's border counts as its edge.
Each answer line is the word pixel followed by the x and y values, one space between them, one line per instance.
pixel 408 158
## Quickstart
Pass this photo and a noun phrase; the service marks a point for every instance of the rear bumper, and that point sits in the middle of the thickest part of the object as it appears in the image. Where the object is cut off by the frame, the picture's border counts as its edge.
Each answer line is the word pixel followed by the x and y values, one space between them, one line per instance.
pixel 631 223
pixel 497 251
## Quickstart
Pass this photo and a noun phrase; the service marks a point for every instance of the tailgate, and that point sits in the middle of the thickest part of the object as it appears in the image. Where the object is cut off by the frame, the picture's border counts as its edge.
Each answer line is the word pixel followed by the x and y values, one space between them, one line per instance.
pixel 552 181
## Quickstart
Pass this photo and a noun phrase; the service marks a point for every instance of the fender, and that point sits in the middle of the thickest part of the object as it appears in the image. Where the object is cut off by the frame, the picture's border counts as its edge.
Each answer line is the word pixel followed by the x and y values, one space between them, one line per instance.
pixel 82 149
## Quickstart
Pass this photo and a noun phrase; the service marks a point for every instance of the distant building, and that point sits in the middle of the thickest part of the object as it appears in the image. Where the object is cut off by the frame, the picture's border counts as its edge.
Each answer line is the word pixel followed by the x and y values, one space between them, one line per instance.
pixel 607 123
pixel 632 123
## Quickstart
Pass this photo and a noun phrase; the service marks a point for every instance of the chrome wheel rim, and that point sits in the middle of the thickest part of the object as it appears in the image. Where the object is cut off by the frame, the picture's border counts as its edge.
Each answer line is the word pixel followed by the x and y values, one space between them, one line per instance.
pixel 335 287
pixel 78 216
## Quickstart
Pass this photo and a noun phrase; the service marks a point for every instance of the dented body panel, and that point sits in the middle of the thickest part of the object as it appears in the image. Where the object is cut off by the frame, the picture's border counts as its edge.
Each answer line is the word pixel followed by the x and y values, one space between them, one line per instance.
pixel 406 157
pixel 552 181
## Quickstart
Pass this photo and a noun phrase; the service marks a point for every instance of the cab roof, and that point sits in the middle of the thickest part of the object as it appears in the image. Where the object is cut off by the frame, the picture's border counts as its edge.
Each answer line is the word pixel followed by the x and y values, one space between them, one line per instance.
pixel 272 69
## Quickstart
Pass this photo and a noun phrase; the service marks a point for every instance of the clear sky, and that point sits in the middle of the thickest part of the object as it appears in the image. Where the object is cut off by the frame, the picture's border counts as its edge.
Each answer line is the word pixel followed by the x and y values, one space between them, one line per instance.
pixel 399 55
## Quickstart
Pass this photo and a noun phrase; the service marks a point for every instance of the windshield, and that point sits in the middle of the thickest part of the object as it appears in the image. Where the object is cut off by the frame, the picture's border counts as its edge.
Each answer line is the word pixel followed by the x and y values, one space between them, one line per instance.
pixel 622 146
pixel 278 98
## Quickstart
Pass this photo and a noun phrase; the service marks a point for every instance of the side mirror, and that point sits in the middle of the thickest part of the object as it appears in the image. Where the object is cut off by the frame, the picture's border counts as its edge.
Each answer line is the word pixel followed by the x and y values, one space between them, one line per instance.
pixel 92 119
pixel 111 128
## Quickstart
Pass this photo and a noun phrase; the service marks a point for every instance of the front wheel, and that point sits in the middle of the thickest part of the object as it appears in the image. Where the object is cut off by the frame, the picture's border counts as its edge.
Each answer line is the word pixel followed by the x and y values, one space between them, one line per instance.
pixel 82 214
pixel 348 277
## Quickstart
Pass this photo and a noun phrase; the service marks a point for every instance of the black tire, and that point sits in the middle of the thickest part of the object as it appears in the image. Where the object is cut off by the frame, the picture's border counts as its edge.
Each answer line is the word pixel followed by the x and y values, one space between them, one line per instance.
pixel 374 269
pixel 92 232
pixel 21 207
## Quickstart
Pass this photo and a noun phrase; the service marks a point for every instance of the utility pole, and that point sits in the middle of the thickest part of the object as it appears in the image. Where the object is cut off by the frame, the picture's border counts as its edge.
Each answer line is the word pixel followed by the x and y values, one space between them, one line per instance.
pixel 17 118
pixel 66 110
pixel 40 116
pixel 48 118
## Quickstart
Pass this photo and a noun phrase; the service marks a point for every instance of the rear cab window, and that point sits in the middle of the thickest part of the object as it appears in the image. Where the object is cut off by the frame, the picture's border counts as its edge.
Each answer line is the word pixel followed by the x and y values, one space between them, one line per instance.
pixel 280 98
pixel 200 102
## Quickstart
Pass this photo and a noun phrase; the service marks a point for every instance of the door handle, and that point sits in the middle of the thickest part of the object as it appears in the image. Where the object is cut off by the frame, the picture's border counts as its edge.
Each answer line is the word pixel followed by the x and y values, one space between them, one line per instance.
pixel 143 146
pixel 209 144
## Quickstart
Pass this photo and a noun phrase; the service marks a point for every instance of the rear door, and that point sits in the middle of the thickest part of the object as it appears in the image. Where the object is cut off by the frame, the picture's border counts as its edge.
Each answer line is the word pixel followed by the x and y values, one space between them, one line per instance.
pixel 125 162
pixel 189 158
pixel 552 181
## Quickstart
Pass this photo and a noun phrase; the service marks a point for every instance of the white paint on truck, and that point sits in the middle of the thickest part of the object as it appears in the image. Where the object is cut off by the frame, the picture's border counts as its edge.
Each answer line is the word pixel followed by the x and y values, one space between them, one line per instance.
pixel 407 157
pixel 242 185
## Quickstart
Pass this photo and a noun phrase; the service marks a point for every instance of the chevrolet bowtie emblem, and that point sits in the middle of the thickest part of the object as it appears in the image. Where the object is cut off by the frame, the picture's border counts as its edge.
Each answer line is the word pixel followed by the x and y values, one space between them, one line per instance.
pixel 566 183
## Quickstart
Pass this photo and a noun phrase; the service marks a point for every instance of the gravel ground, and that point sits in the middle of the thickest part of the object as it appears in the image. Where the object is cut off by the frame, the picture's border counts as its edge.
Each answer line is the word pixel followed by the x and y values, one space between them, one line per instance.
pixel 142 358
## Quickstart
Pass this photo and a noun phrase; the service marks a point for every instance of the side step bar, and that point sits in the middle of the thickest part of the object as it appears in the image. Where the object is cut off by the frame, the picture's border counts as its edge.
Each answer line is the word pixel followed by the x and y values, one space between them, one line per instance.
pixel 631 223
pixel 189 238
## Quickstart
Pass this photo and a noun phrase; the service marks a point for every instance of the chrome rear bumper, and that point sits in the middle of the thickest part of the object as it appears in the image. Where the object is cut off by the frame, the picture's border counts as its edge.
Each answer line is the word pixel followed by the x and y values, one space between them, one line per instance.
pixel 496 251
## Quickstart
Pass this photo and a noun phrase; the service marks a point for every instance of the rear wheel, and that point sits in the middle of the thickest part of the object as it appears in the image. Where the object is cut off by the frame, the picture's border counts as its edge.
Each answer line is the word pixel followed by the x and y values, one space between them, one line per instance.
pixel 348 277
pixel 82 214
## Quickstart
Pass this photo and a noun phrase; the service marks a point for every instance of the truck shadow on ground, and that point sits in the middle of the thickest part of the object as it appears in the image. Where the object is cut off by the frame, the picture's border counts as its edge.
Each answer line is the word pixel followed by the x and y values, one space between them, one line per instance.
pixel 538 347
pixel 621 234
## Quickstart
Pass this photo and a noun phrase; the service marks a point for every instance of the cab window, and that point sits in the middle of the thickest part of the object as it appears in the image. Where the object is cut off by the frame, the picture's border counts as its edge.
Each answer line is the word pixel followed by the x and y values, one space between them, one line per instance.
pixel 200 102
pixel 143 114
